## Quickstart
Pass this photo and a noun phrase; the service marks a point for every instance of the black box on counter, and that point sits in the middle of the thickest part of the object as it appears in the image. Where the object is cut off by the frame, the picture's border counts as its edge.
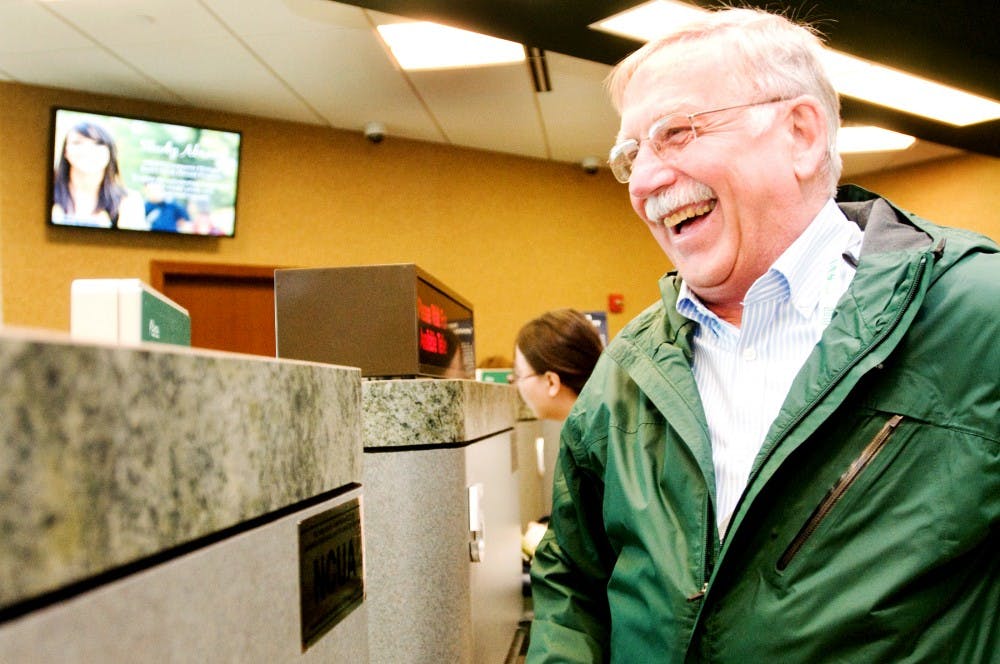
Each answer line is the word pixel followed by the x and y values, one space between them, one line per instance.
pixel 389 320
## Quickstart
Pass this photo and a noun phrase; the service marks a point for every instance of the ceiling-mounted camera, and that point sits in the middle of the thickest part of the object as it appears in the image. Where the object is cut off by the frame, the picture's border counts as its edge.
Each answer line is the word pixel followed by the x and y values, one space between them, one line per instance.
pixel 375 132
pixel 590 165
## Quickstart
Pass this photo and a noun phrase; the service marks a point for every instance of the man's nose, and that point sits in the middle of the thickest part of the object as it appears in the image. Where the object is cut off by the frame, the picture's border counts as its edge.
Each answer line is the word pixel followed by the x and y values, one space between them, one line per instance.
pixel 650 172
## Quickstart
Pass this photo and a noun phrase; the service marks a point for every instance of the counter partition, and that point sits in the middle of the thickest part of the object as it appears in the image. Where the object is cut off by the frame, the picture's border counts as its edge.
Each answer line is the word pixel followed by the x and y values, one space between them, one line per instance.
pixel 152 499
pixel 442 520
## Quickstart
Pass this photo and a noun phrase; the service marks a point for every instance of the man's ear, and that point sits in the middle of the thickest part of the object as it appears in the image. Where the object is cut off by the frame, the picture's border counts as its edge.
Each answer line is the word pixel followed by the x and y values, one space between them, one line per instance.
pixel 552 383
pixel 810 143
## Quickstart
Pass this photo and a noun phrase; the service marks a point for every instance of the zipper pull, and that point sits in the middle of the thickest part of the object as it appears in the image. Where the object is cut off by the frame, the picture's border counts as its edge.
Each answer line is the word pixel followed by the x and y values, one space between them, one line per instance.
pixel 939 249
pixel 699 594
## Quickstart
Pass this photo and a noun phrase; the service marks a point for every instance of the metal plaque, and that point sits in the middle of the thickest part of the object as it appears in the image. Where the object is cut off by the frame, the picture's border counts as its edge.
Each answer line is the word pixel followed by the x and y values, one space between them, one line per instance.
pixel 331 570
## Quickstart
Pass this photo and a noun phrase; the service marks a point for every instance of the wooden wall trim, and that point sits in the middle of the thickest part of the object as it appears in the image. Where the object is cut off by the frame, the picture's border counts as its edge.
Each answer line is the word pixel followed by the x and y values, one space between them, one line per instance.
pixel 160 271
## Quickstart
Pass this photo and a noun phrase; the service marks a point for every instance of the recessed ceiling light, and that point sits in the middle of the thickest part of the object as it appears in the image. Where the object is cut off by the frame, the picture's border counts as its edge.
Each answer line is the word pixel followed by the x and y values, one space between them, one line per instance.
pixel 850 75
pixel 871 139
pixel 648 20
pixel 424 45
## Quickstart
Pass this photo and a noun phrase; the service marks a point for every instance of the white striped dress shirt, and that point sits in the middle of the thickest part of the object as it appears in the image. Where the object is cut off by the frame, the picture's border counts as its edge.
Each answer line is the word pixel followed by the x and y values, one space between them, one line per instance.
pixel 743 373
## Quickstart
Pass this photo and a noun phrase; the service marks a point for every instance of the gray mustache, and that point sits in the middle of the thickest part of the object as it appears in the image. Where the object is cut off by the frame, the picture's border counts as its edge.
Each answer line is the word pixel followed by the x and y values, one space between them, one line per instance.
pixel 663 203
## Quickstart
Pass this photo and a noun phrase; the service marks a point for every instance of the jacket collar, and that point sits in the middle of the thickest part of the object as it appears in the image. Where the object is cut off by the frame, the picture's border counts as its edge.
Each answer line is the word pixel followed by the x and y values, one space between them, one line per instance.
pixel 893 229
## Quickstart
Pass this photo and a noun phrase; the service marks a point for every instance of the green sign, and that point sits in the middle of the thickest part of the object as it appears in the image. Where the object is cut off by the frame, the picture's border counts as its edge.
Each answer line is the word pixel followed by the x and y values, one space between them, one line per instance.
pixel 493 375
pixel 163 323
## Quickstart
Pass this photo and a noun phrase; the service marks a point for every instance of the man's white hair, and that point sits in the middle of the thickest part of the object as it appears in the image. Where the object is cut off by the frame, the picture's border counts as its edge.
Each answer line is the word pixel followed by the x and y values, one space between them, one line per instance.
pixel 774 57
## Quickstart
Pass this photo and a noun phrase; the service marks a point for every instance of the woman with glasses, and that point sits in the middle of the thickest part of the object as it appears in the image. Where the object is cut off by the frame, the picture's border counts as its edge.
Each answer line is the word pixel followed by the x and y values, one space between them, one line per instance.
pixel 554 355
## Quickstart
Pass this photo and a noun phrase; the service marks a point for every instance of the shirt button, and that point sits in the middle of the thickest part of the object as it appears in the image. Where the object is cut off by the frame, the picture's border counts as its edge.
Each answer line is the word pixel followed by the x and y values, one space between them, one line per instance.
pixel 749 354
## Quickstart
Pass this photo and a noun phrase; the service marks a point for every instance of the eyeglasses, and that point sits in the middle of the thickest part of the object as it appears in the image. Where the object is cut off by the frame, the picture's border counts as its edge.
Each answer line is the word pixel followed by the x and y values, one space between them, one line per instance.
pixel 513 377
pixel 669 134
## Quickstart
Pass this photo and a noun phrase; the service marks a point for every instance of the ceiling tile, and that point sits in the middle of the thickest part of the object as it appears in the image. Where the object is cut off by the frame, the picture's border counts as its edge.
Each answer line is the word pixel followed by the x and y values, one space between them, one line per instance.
pixel 287 16
pixel 91 69
pixel 490 108
pixel 350 80
pixel 121 22
pixel 220 74
pixel 578 115
pixel 27 27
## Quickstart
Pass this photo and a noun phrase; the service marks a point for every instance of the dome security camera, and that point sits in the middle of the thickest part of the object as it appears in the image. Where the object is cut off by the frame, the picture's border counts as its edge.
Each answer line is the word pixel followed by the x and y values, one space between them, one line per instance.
pixel 590 165
pixel 375 132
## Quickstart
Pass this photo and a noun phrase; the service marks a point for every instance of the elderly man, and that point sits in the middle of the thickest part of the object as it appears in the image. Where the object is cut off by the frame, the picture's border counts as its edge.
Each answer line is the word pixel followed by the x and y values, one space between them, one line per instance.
pixel 793 457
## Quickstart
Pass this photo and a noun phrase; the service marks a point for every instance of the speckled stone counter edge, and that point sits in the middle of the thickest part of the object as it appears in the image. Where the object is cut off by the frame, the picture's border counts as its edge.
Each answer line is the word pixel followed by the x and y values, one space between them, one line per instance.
pixel 408 412
pixel 109 454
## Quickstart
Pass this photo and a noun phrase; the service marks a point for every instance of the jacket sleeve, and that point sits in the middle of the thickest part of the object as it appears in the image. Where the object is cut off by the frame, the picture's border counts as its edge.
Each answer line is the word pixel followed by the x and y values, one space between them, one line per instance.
pixel 571 567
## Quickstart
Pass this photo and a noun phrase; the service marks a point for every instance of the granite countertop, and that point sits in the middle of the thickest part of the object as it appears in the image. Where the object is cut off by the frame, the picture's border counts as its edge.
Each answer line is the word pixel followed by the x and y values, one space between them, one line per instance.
pixel 397 413
pixel 112 454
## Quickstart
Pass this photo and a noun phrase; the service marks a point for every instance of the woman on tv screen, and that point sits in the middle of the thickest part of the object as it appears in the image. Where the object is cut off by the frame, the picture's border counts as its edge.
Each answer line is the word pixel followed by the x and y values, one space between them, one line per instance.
pixel 87 189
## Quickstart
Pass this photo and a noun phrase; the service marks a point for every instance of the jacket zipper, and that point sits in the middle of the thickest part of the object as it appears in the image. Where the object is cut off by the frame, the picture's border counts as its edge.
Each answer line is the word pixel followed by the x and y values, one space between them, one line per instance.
pixel 910 295
pixel 833 496
pixel 701 593
pixel 709 551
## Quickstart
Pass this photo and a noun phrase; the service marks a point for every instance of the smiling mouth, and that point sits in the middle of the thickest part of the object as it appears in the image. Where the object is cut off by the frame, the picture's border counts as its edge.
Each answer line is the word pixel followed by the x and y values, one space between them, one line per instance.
pixel 683 216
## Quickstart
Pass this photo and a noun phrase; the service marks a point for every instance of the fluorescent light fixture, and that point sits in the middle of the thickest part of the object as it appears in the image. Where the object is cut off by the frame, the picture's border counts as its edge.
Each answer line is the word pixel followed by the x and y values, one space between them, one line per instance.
pixel 850 75
pixel 871 139
pixel 896 89
pixel 424 45
pixel 648 20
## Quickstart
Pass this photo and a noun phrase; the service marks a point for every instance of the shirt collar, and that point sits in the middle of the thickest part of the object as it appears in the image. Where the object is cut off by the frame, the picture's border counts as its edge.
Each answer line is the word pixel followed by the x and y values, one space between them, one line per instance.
pixel 689 306
pixel 823 243
pixel 808 263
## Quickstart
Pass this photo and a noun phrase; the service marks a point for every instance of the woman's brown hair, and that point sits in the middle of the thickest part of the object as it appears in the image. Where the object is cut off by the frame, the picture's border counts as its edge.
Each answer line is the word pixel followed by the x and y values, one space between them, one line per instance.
pixel 563 341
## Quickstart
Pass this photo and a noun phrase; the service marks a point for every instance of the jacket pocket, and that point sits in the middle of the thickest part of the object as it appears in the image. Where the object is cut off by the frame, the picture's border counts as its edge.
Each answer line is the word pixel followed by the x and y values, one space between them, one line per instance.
pixel 837 491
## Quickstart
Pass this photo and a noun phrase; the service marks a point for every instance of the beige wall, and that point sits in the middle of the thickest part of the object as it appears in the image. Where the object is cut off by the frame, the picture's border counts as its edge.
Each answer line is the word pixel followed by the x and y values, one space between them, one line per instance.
pixel 515 236
pixel 962 191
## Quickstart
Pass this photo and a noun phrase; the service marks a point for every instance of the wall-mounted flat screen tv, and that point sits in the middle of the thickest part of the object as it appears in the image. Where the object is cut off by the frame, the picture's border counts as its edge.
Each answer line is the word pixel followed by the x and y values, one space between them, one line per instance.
pixel 116 172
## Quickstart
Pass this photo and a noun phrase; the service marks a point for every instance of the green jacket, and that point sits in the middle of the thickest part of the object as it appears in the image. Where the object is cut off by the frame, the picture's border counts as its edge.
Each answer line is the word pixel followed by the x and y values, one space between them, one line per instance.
pixel 868 531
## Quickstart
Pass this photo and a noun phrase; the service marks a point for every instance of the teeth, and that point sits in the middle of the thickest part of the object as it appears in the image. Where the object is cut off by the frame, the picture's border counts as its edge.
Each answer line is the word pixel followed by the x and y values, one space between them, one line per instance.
pixel 688 213
pixel 679 202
